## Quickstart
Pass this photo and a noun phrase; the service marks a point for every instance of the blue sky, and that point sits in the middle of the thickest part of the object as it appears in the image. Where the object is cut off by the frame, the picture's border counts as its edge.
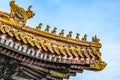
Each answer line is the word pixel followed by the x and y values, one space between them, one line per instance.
pixel 92 17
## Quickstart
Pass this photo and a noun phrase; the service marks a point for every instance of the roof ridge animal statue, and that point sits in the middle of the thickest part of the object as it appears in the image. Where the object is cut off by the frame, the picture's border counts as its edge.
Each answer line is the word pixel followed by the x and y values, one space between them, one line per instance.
pixel 19 14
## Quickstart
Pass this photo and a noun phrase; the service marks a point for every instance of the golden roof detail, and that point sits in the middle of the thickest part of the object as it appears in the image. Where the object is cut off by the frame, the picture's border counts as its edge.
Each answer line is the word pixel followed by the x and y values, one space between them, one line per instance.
pixel 49 41
pixel 47 45
pixel 19 14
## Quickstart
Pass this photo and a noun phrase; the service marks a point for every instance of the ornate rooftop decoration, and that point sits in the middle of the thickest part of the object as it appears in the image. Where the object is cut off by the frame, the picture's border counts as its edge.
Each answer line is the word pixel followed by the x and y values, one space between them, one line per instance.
pixel 34 53
pixel 19 14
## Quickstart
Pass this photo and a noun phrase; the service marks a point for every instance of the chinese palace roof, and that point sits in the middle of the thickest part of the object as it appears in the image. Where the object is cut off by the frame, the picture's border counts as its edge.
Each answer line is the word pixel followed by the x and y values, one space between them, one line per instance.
pixel 55 56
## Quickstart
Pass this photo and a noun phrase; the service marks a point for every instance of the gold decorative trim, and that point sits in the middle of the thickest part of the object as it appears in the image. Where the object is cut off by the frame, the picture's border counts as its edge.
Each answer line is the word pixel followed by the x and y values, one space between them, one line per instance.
pixel 50 35
pixel 14 24
pixel 58 74
pixel 52 47
pixel 98 65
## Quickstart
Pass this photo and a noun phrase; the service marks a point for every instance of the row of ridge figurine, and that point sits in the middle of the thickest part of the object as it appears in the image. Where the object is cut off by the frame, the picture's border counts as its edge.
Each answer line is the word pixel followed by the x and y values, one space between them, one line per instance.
pixel 19 14
pixel 94 39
